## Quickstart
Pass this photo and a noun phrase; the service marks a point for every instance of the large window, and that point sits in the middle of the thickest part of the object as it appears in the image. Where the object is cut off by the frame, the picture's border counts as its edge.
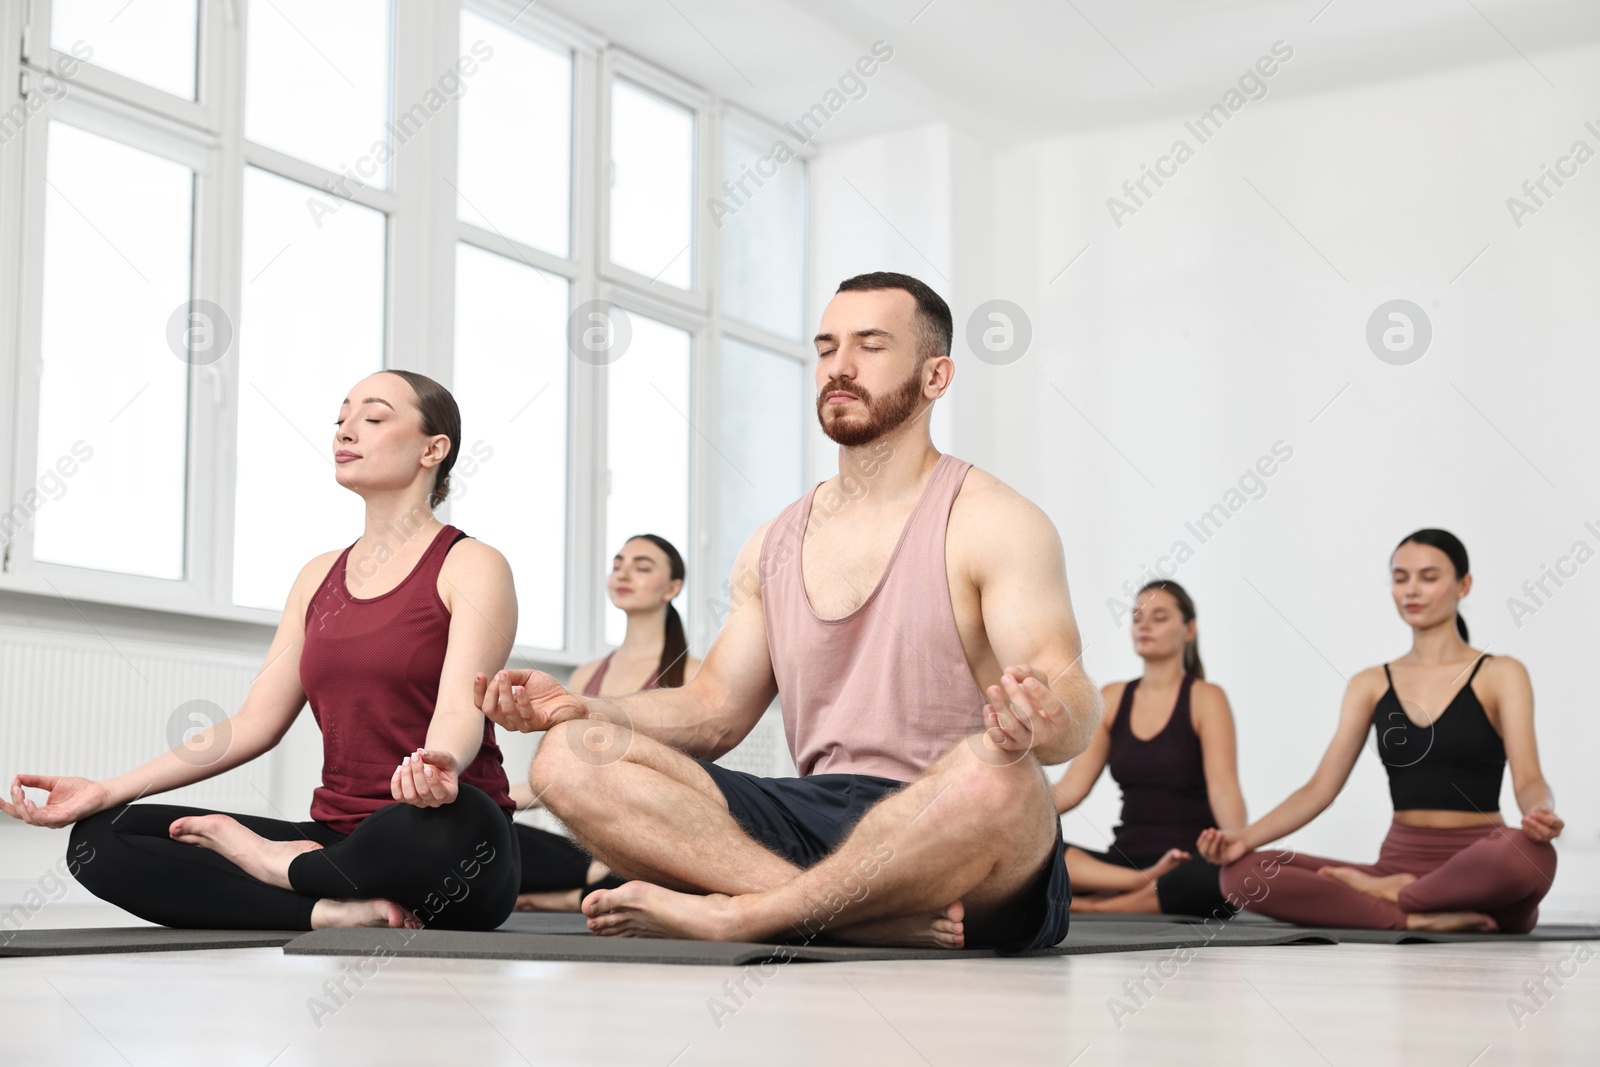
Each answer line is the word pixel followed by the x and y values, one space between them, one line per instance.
pixel 515 173
pixel 652 185
pixel 116 263
pixel 310 327
pixel 647 446
pixel 317 78
pixel 152 41
pixel 509 487
pixel 230 212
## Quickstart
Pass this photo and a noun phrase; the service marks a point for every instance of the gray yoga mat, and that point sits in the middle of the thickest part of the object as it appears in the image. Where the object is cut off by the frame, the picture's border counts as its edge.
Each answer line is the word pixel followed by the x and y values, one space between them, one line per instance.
pixel 135 939
pixel 508 944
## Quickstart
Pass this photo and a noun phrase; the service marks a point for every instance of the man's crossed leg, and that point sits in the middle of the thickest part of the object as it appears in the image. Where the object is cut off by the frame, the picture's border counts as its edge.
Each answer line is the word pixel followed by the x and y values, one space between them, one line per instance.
pixel 963 855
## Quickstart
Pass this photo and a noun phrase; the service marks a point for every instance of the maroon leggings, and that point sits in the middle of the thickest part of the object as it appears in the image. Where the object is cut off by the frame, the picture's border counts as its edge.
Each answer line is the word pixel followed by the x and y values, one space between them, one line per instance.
pixel 1496 870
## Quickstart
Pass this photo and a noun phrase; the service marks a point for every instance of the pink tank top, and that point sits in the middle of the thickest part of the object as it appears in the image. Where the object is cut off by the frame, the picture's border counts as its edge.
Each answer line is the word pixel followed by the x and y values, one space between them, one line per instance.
pixel 592 689
pixel 885 690
pixel 370 670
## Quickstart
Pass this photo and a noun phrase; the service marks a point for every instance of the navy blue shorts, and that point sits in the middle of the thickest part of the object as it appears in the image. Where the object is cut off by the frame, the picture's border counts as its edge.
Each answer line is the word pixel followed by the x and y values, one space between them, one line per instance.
pixel 805 819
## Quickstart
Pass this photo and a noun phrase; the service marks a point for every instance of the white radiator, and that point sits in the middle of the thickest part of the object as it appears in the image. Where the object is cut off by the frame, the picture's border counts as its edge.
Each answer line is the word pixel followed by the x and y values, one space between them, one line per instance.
pixel 93 706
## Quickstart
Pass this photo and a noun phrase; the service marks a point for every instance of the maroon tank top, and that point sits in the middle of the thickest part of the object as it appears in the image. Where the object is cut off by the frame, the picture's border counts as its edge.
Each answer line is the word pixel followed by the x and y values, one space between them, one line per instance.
pixel 370 670
pixel 592 689
pixel 1163 780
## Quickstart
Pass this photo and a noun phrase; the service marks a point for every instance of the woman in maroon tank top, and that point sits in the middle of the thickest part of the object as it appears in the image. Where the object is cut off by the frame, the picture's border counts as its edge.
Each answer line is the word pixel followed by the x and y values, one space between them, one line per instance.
pixel 1169 743
pixel 646 574
pixel 411 824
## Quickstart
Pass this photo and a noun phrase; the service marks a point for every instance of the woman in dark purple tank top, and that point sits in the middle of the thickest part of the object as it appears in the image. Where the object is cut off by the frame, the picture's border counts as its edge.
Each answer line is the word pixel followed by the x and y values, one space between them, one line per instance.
pixel 411 824
pixel 647 573
pixel 1169 745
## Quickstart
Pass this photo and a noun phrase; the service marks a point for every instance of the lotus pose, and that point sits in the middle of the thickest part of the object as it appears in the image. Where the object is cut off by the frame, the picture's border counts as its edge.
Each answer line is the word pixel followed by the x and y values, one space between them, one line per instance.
pixel 412 822
pixel 912 615
pixel 1447 719
pixel 1170 747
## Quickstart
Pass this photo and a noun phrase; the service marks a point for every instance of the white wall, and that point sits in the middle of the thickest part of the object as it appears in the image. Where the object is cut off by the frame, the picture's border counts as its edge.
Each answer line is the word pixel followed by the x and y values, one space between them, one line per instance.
pixel 1205 329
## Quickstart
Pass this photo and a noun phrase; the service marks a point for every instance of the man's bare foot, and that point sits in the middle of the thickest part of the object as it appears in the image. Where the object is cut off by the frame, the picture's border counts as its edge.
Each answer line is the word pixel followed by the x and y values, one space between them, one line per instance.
pixel 330 913
pixel 1452 922
pixel 266 861
pixel 559 900
pixel 1384 888
pixel 946 928
pixel 1175 857
pixel 640 909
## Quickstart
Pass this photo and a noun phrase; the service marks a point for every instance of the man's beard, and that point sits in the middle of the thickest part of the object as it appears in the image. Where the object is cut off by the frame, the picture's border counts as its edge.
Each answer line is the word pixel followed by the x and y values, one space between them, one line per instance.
pixel 884 414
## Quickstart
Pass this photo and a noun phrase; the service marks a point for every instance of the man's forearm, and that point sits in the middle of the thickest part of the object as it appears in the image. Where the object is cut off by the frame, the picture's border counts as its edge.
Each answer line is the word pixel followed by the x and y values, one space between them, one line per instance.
pixel 1081 698
pixel 679 718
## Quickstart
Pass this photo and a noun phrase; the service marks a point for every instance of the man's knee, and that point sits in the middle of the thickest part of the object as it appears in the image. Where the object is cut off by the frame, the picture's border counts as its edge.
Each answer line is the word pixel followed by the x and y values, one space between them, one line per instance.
pixel 572 757
pixel 994 789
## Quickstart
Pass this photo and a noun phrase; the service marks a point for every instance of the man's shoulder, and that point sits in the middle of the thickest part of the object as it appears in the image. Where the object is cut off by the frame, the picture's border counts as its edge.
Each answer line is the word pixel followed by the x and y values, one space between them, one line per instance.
pixel 985 499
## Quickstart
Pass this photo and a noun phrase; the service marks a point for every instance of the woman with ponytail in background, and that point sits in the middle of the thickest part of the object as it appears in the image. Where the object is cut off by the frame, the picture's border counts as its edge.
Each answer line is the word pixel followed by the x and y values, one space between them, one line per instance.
pixel 645 576
pixel 1449 861
pixel 1169 743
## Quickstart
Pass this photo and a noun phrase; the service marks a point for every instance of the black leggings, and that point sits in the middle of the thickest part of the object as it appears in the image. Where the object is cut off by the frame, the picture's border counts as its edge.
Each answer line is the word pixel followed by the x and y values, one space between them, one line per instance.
pixel 1191 889
pixel 454 867
pixel 550 862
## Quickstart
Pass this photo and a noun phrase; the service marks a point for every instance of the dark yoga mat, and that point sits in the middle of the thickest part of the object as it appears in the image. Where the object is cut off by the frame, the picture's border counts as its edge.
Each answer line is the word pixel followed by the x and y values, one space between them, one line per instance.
pixel 544 922
pixel 135 939
pixel 1542 932
pixel 1253 925
pixel 507 943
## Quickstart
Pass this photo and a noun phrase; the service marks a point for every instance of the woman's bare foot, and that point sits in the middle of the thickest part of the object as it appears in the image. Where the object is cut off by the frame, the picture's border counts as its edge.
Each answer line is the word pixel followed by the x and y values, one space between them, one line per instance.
pixel 1452 922
pixel 266 861
pixel 1384 888
pixel 559 900
pixel 946 928
pixel 1175 857
pixel 640 909
pixel 331 913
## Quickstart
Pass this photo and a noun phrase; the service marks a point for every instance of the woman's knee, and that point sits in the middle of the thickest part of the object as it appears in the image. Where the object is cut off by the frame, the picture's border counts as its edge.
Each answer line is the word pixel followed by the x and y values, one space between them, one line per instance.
pixel 91 840
pixel 1244 880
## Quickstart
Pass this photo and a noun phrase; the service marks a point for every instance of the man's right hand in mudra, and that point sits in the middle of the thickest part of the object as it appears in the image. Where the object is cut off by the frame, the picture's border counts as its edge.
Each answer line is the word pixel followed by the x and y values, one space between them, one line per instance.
pixel 526 701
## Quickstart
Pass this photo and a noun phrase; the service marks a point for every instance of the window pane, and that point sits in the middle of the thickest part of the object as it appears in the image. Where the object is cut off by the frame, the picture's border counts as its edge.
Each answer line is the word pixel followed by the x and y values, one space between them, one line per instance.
pixel 152 41
pixel 116 267
pixel 647 449
pixel 310 327
pixel 516 137
pixel 509 488
pixel 652 185
pixel 763 434
pixel 762 223
pixel 317 84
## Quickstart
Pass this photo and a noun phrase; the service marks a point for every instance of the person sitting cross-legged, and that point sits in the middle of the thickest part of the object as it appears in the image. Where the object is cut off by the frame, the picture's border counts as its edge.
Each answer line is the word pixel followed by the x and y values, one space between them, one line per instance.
pixel 912 615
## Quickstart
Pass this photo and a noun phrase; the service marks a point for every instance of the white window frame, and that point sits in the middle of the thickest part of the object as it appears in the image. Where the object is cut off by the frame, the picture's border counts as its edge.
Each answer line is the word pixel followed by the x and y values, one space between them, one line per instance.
pixel 422 232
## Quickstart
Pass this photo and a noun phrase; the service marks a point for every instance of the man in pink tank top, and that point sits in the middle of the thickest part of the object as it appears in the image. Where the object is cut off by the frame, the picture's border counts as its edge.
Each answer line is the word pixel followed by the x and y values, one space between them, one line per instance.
pixel 911 614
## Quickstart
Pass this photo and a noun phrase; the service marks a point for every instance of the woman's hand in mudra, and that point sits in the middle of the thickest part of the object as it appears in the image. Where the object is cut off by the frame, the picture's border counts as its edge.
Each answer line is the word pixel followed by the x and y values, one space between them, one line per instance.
pixel 426 778
pixel 70 799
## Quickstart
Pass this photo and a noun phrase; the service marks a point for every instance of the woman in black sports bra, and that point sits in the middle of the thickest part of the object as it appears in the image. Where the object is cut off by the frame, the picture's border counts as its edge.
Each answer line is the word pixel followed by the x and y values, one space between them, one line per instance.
pixel 1178 779
pixel 1447 720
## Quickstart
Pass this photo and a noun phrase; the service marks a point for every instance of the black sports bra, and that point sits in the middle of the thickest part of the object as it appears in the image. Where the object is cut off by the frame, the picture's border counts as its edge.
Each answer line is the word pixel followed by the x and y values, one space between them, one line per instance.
pixel 1456 764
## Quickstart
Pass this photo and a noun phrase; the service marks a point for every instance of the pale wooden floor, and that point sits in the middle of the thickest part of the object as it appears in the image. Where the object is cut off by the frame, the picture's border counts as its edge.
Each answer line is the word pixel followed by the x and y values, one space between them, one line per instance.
pixel 1329 1005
